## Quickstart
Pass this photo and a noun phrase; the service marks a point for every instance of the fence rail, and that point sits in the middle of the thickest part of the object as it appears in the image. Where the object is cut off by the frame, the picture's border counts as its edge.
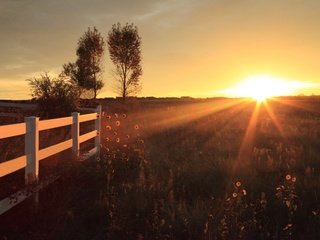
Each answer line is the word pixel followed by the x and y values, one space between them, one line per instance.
pixel 12 130
pixel 31 128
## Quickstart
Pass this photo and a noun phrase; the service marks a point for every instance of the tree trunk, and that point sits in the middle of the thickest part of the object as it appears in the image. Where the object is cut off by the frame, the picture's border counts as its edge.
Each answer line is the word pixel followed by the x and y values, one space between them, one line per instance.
pixel 124 90
pixel 123 95
pixel 94 94
pixel 95 87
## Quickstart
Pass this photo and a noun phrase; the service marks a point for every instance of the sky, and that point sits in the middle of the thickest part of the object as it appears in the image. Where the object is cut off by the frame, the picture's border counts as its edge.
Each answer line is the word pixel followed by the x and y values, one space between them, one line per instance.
pixel 198 48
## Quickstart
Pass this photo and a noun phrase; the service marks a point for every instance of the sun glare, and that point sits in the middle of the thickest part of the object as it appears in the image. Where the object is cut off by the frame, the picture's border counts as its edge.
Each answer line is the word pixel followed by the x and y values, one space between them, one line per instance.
pixel 261 87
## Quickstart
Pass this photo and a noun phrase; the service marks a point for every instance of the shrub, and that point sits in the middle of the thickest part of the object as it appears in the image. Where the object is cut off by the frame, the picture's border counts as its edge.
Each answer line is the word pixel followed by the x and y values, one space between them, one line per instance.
pixel 56 96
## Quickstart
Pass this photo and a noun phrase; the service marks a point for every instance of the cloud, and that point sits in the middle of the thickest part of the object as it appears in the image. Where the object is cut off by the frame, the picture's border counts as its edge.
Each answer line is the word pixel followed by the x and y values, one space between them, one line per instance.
pixel 13 66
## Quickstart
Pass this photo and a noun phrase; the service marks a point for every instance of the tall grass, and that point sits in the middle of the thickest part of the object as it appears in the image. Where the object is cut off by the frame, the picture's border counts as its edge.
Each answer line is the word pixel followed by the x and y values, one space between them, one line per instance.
pixel 164 176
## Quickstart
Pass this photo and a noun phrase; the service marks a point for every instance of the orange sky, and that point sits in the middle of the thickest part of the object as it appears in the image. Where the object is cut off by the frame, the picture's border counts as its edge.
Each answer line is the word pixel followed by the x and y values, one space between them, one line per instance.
pixel 190 47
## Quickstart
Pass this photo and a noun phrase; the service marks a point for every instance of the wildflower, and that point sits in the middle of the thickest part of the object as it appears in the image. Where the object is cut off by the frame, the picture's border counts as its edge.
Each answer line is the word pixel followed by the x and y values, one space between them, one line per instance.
pixel 128 136
pixel 116 115
pixel 163 221
pixel 136 127
pixel 108 127
pixel 288 226
pixel 294 179
pixel 108 117
pixel 117 123
pixel 244 192
pixel 124 115
pixel 117 140
pixel 234 195
pixel 206 229
pixel 288 203
pixel 288 177
pixel 238 184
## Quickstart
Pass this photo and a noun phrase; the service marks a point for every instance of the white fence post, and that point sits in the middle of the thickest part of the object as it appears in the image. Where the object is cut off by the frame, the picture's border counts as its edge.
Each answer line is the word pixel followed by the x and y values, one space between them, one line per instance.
pixel 32 149
pixel 97 125
pixel 75 129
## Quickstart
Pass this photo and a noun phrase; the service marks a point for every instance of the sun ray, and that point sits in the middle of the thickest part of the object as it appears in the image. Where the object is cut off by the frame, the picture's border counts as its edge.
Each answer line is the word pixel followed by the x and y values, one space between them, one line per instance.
pixel 232 120
pixel 177 115
pixel 297 103
pixel 273 118
pixel 247 142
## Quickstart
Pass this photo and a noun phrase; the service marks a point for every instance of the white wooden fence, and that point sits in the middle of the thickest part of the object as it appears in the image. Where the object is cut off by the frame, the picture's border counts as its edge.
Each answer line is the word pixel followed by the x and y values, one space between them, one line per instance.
pixel 31 128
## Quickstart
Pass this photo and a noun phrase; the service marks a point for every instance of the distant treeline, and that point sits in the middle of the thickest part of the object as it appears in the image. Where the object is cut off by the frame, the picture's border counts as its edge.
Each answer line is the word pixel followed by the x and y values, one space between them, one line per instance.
pixel 183 98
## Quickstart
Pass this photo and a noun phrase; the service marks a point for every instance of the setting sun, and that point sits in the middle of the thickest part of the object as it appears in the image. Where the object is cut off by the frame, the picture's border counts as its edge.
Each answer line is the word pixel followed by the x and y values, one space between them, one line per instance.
pixel 261 87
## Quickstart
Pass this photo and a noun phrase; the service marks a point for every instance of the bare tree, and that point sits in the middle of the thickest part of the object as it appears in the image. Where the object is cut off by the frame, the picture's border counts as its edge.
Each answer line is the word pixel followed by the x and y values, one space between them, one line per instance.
pixel 124 45
pixel 86 71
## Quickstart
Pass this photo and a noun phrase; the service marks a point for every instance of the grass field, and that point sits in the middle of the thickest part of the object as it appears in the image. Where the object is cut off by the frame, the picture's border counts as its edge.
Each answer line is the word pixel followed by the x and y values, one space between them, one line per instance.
pixel 193 169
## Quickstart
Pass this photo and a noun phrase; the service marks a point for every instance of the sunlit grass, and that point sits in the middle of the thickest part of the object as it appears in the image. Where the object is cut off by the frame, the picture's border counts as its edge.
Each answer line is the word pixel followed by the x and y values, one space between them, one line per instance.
pixel 241 170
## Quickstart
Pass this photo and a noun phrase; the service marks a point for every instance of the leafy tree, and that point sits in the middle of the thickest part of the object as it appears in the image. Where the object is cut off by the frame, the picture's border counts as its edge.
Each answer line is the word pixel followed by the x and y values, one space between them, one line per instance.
pixel 86 71
pixel 124 45
pixel 56 96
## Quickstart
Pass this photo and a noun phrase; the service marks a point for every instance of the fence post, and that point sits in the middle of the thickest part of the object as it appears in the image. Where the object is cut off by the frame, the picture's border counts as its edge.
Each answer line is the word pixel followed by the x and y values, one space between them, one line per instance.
pixel 32 149
pixel 75 129
pixel 97 126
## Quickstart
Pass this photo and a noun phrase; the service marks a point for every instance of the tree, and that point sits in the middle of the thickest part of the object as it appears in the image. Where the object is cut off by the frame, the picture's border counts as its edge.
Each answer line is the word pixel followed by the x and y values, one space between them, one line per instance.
pixel 86 71
pixel 124 45
pixel 56 96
